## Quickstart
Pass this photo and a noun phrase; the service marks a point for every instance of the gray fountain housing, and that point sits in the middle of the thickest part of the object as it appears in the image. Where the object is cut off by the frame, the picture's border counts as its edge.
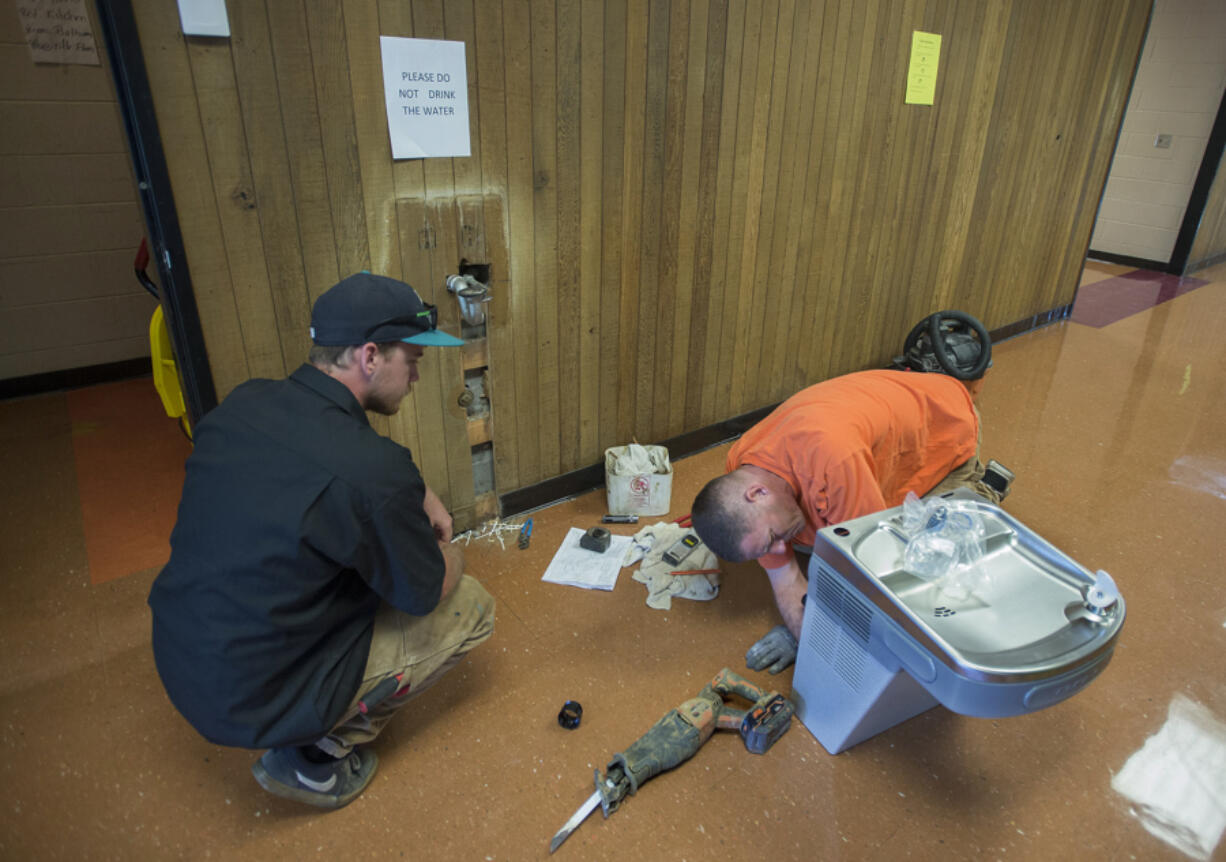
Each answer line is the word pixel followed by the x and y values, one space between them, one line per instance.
pixel 880 645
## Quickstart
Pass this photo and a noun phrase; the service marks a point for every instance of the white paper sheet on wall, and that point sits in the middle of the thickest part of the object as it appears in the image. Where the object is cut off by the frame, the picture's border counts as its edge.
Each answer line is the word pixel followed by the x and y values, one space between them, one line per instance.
pixel 204 18
pixel 426 89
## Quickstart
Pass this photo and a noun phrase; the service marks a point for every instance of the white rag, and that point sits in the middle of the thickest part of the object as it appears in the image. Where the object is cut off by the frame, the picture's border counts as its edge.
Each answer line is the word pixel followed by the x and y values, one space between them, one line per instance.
pixel 636 459
pixel 649 545
pixel 1176 781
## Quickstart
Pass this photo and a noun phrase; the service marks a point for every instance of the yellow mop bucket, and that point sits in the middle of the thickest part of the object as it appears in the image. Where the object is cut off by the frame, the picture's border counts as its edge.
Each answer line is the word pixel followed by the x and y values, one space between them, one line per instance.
pixel 165 370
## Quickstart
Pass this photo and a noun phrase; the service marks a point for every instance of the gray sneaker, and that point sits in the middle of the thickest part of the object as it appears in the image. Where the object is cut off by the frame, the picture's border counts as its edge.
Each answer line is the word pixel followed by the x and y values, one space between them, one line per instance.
pixel 285 772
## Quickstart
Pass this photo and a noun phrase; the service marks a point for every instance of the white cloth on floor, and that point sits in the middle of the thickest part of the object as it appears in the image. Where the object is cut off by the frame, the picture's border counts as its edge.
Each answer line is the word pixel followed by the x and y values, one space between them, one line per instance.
pixel 637 458
pixel 647 548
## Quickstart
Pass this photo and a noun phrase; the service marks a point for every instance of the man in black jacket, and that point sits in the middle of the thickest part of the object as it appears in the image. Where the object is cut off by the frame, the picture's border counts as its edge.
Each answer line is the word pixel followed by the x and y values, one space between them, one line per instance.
pixel 312 587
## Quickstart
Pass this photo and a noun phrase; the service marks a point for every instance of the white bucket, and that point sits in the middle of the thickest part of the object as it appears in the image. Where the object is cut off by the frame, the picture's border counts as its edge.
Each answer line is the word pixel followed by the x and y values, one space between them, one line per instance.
pixel 638 493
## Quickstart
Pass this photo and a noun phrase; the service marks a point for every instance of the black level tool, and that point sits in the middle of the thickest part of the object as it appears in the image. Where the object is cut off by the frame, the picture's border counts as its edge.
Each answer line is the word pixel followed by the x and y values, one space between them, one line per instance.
pixel 681 549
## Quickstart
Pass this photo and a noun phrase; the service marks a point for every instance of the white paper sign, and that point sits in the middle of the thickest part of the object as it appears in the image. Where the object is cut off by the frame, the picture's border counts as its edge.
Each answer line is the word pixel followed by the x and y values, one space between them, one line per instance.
pixel 204 18
pixel 426 87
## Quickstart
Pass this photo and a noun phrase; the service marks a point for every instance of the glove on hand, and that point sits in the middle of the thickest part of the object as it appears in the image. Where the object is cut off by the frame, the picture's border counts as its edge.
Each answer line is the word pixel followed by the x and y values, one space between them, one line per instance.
pixel 777 649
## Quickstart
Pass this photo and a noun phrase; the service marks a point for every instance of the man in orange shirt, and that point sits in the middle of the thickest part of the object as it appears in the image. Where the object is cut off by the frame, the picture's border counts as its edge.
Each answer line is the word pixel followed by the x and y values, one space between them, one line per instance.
pixel 837 450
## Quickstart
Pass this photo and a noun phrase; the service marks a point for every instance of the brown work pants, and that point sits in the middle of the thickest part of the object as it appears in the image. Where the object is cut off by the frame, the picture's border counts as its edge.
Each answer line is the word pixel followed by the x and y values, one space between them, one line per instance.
pixel 422 649
pixel 968 475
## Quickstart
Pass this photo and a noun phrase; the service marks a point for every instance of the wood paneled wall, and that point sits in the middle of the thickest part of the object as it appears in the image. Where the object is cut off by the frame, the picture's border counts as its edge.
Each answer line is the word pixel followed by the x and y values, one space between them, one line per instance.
pixel 692 208
pixel 1209 246
pixel 70 223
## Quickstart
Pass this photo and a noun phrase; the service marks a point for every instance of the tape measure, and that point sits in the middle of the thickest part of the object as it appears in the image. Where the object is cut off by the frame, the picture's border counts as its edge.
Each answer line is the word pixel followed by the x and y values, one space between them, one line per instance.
pixel 596 539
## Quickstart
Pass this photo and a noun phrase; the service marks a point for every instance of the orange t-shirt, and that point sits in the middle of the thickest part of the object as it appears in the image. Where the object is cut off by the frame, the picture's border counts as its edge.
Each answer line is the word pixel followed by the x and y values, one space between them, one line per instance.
pixel 858 443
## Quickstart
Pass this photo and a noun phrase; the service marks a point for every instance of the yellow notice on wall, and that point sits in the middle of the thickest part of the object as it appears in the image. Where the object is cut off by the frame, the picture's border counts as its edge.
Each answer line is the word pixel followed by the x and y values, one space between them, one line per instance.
pixel 922 73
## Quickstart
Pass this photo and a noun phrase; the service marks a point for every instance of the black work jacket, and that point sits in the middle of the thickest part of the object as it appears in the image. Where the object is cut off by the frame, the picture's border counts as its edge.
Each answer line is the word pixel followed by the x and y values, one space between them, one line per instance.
pixel 297 519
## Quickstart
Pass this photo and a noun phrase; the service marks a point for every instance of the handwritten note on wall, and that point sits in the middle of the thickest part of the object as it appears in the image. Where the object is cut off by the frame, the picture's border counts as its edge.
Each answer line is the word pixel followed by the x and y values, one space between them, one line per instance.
pixel 922 74
pixel 58 31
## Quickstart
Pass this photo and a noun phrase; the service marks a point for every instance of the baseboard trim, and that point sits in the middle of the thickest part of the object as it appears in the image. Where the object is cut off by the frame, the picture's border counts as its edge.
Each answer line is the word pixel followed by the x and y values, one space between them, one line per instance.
pixel 589 478
pixel 1026 324
pixel 74 378
pixel 1125 260
pixel 1212 260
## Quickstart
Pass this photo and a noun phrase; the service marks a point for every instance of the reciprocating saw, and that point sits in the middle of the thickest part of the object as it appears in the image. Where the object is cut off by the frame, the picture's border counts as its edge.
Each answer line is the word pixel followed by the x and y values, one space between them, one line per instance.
pixel 679 734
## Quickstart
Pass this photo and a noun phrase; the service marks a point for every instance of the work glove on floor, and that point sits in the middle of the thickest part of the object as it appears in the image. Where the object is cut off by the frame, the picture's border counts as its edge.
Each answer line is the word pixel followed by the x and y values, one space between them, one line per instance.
pixel 774 652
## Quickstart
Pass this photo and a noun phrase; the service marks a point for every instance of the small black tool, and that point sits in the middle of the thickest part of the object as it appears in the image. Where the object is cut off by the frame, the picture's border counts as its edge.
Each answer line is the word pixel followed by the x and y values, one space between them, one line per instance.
pixel 570 715
pixel 380 693
pixel 620 519
pixel 998 477
pixel 596 539
pixel 681 549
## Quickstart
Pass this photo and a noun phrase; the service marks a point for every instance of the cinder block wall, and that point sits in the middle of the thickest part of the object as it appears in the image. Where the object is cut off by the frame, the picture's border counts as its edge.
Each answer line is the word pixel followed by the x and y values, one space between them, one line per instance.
pixel 70 222
pixel 1177 91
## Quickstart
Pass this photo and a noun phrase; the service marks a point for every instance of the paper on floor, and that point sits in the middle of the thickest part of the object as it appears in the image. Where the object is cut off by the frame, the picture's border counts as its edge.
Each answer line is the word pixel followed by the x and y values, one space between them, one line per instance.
pixel 1177 781
pixel 576 566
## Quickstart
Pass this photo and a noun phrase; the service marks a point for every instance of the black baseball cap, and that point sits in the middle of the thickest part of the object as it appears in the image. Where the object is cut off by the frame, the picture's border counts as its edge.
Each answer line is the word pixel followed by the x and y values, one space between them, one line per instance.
pixel 366 307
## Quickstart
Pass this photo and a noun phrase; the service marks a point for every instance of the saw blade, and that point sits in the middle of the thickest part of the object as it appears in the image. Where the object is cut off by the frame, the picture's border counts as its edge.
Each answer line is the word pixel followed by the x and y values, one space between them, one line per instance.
pixel 571 825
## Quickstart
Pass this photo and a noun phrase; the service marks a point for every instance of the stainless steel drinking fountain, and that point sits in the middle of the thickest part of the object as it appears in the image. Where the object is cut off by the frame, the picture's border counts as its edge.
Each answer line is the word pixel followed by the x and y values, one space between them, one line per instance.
pixel 880 645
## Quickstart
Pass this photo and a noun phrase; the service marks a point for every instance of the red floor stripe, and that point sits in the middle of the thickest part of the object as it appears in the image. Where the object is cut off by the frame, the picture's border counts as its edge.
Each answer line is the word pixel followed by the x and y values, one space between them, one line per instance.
pixel 1102 302
pixel 129 459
